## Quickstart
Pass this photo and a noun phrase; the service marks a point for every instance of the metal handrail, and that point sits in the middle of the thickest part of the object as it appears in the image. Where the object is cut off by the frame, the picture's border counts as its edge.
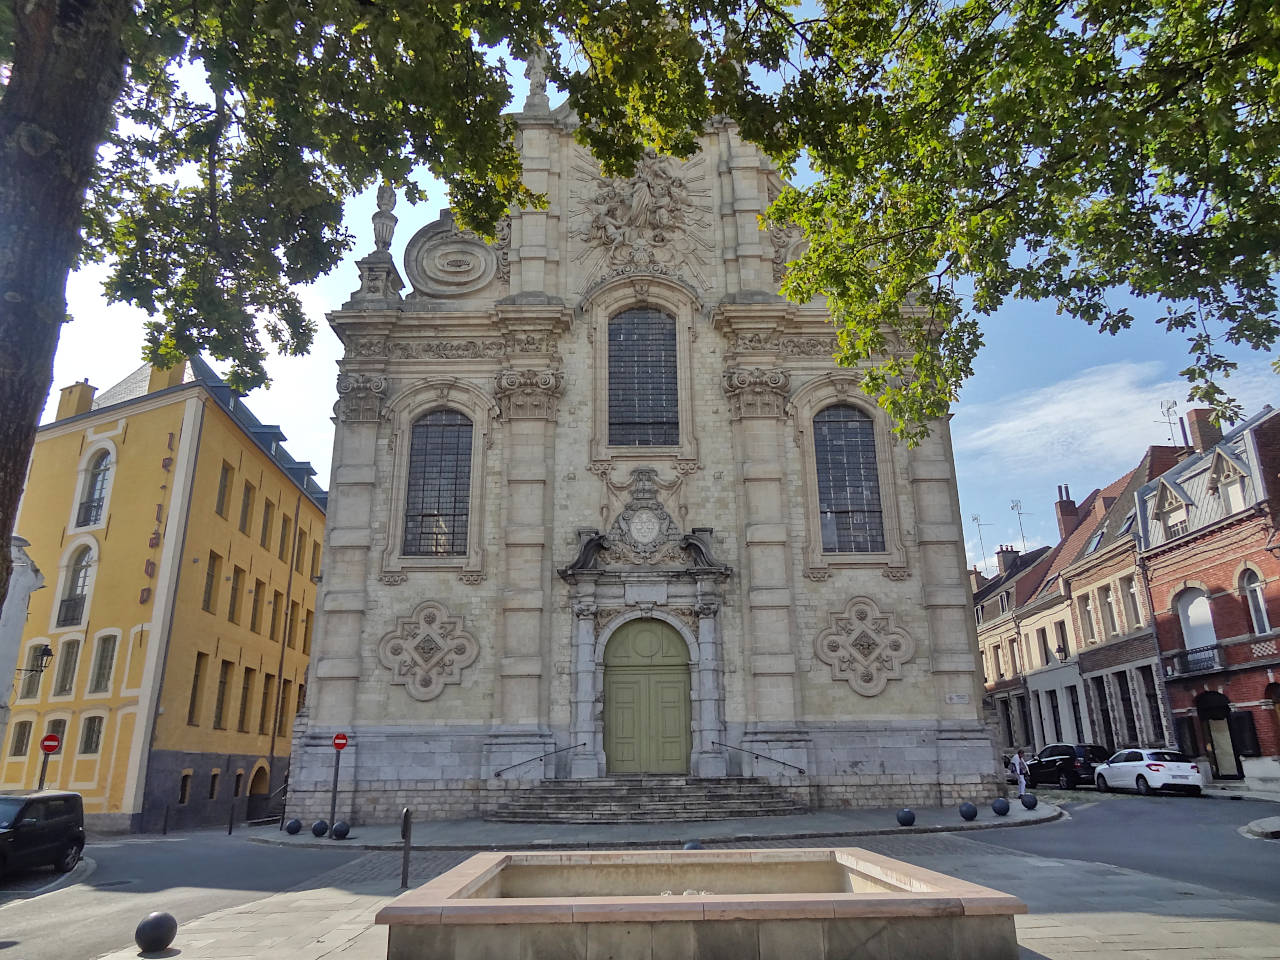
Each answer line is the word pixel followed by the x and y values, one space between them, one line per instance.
pixel 762 756
pixel 549 753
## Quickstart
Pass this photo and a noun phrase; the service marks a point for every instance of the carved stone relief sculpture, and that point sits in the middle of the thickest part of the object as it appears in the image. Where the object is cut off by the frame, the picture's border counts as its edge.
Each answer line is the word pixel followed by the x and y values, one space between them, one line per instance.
pixel 529 394
pixel 427 651
pixel 443 261
pixel 864 647
pixel 360 397
pixel 757 392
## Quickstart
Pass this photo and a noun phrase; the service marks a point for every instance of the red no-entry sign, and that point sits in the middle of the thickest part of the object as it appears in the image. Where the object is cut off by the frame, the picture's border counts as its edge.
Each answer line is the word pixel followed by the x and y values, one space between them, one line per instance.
pixel 50 743
pixel 339 741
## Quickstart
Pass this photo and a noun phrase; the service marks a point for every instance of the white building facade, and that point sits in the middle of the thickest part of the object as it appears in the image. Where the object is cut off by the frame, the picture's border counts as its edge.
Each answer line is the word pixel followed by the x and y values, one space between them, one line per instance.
pixel 602 505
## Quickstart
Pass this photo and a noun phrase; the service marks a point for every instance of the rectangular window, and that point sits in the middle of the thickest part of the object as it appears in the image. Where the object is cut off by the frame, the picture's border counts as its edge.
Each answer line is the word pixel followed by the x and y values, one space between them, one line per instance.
pixel 268 516
pixel 438 495
pixel 213 786
pixel 1042 636
pixel 104 662
pixel 282 721
pixel 212 576
pixel 1004 602
pixel 1108 601
pixel 299 553
pixel 1175 522
pixel 1074 696
pixel 286 527
pixel 1063 649
pixel 1188 740
pixel 224 490
pixel 59 729
pixel 197 689
pixel 315 559
pixel 1007 713
pixel 220 704
pixel 1024 715
pixel 1086 619
pixel 91 735
pixel 246 507
pixel 1152 695
pixel 237 593
pixel 277 602
pixel 1129 597
pixel 184 789
pixel 31 679
pixel 1126 706
pixel 1056 714
pixel 643 397
pixel 246 692
pixel 306 633
pixel 851 515
pixel 1104 711
pixel 302 697
pixel 999 660
pixel 268 696
pixel 68 655
pixel 21 741
pixel 292 634
pixel 255 609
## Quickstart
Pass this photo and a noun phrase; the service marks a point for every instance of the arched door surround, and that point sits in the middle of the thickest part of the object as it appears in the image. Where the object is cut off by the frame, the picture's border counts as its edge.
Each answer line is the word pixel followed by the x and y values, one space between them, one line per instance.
pixel 646 700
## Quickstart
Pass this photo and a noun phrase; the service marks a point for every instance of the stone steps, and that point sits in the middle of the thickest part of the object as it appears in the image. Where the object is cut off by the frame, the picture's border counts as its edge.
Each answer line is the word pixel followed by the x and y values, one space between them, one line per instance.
pixel 645 800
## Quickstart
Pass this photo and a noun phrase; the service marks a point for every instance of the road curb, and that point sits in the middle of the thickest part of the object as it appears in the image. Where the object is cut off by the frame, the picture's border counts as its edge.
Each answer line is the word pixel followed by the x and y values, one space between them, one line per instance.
pixel 82 872
pixel 1268 828
pixel 1049 816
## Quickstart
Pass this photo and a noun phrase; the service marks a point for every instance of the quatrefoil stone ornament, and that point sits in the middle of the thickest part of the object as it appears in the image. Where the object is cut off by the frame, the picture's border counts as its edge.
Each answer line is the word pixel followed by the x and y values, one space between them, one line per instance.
pixel 864 646
pixel 427 651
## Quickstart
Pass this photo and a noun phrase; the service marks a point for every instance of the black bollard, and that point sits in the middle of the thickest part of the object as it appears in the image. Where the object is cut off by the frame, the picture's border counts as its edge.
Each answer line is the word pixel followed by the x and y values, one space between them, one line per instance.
pixel 693 845
pixel 319 828
pixel 293 826
pixel 406 834
pixel 156 932
pixel 164 827
pixel 906 817
pixel 231 818
pixel 968 811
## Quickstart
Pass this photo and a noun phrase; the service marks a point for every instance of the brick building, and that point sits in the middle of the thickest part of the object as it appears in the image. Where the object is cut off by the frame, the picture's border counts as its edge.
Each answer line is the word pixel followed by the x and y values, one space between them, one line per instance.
pixel 1208 538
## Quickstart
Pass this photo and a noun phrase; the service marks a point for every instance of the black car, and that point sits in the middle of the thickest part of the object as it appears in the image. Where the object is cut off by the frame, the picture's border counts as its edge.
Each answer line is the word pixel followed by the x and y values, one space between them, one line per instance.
pixel 1066 764
pixel 39 829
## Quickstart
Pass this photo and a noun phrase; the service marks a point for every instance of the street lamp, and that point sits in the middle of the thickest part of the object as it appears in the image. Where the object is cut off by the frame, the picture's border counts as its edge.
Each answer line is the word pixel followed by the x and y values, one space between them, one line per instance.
pixel 44 654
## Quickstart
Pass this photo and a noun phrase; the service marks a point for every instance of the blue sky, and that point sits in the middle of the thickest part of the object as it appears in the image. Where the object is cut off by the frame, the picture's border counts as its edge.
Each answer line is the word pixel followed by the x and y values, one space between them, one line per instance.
pixel 1051 401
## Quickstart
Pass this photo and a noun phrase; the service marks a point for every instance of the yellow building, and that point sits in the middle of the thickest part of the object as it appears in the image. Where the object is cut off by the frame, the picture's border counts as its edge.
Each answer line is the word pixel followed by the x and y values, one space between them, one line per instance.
pixel 181 545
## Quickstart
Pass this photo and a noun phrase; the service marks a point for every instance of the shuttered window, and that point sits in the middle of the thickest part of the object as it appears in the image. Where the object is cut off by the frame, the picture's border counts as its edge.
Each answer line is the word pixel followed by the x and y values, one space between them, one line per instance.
pixel 643 397
pixel 438 496
pixel 848 481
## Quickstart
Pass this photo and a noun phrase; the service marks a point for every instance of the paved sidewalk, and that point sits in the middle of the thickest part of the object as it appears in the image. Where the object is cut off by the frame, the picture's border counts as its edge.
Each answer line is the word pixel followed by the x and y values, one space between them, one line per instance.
pixel 488 835
pixel 1079 910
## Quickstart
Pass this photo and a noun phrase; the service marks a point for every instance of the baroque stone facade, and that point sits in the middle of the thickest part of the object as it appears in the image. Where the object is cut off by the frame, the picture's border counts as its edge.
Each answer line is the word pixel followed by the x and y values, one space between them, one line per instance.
pixel 495 521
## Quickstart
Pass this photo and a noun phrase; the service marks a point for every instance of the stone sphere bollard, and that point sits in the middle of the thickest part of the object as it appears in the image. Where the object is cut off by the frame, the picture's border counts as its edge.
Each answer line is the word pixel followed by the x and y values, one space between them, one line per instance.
pixel 1000 805
pixel 156 932
pixel 341 829
pixel 693 845
pixel 293 826
pixel 1029 801
pixel 906 817
pixel 319 828
pixel 968 811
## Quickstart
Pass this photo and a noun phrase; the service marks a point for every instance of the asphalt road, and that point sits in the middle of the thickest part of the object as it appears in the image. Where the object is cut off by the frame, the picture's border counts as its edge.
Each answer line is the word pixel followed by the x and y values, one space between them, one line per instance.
pixel 1187 839
pixel 187 875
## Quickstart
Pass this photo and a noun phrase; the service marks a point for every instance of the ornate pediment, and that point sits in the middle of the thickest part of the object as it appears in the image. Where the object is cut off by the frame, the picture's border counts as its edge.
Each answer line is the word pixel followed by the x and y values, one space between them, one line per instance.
pixel 427 651
pixel 643 532
pixel 443 261
pixel 864 646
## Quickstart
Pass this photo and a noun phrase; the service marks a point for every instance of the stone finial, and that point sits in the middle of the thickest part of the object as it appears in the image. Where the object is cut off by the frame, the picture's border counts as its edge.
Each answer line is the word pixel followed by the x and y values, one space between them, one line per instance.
pixel 384 221
pixel 535 71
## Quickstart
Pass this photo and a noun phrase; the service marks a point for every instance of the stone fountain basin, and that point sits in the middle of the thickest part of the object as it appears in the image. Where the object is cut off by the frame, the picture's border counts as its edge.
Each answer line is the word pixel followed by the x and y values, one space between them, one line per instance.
pixel 801 904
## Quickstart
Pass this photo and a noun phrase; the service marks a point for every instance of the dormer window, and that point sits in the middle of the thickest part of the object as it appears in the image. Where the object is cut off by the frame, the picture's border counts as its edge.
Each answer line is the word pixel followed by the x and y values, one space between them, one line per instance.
pixel 1175 522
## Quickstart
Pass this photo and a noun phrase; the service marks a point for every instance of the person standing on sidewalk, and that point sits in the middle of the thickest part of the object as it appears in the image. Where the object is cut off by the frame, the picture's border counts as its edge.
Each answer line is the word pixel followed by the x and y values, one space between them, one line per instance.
pixel 1018 767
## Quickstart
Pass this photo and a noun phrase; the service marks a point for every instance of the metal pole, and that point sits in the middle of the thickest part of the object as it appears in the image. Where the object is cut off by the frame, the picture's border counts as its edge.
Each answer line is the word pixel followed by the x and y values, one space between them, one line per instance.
pixel 44 766
pixel 333 800
pixel 231 818
pixel 406 833
pixel 282 813
pixel 164 828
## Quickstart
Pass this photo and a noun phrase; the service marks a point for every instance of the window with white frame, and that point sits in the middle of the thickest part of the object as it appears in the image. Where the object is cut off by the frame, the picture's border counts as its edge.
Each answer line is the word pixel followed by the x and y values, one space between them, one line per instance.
pixel 64 680
pixel 103 663
pixel 1251 589
pixel 1175 521
pixel 1086 618
pixel 1129 596
pixel 1198 634
pixel 20 742
pixel 76 591
pixel 94 494
pixel 1109 618
pixel 91 735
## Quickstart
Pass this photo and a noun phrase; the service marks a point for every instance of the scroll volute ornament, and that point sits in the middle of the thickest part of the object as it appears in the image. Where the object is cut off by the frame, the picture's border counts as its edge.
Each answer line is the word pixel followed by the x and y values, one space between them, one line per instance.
pixel 529 394
pixel 864 646
pixel 757 392
pixel 427 651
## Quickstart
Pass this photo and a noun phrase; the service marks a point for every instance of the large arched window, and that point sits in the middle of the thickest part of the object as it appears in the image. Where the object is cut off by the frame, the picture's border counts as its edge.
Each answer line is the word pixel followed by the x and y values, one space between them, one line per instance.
pixel 438 493
pixel 95 491
pixel 643 395
pixel 1251 589
pixel 849 509
pixel 1198 635
pixel 71 609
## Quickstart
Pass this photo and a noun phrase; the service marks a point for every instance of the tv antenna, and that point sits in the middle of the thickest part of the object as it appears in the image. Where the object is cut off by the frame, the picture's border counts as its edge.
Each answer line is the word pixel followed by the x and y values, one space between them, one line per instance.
pixel 1016 507
pixel 977 522
pixel 1168 410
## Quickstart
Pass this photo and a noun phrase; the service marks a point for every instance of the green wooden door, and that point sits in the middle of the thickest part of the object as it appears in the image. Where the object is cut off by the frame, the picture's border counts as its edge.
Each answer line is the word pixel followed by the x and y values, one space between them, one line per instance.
pixel 646 700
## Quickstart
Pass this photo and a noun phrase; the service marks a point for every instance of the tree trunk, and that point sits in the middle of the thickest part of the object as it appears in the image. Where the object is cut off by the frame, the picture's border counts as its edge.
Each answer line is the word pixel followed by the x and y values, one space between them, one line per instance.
pixel 68 71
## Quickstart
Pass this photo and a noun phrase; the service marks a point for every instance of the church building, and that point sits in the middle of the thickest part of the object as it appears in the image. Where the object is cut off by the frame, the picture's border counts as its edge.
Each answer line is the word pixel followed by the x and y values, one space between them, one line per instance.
pixel 603 506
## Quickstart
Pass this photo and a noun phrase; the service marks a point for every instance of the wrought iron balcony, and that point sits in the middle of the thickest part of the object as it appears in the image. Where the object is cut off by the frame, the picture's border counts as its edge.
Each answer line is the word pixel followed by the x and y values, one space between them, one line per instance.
pixel 1197 660
pixel 90 512
pixel 70 611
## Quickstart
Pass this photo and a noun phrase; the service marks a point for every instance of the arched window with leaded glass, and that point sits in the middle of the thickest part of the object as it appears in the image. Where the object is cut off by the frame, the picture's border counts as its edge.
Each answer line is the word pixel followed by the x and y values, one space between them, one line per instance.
pixel 438 491
pixel 643 387
pixel 71 607
pixel 849 507
pixel 95 491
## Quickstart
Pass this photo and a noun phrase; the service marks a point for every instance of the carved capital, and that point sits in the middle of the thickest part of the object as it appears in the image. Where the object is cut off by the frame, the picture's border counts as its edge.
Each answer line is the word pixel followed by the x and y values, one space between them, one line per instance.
pixel 529 394
pixel 758 392
pixel 360 397
pixel 584 610
pixel 705 609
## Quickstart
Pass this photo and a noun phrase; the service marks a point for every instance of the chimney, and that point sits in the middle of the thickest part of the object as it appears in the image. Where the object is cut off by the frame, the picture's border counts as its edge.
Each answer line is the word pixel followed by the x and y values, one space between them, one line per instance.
pixel 976 580
pixel 1068 514
pixel 75 400
pixel 1005 557
pixel 164 379
pixel 1204 432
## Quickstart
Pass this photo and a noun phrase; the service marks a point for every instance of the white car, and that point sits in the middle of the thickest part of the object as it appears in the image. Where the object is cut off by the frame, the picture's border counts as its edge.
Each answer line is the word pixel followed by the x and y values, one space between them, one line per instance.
pixel 1148 771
